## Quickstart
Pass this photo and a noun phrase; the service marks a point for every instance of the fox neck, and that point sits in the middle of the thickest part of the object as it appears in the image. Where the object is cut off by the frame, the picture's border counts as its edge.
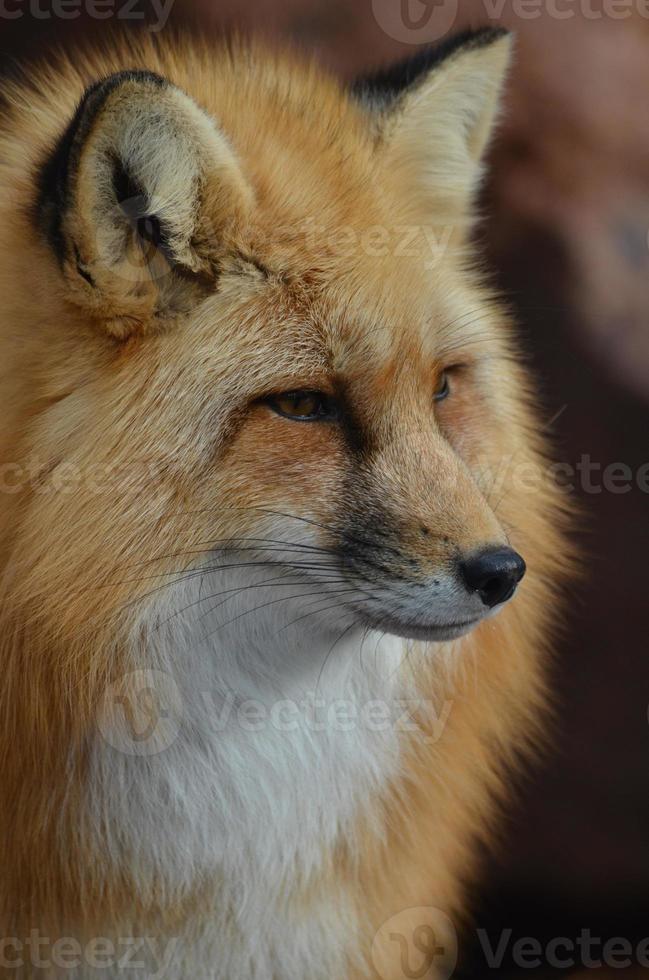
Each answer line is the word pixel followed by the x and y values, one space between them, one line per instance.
pixel 274 742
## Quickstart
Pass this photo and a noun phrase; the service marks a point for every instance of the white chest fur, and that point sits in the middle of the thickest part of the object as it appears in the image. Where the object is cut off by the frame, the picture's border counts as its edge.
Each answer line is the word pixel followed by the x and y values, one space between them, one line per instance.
pixel 277 732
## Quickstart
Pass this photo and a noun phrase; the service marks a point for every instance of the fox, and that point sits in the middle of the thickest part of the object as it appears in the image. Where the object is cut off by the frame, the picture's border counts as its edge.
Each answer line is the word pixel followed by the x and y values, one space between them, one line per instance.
pixel 275 603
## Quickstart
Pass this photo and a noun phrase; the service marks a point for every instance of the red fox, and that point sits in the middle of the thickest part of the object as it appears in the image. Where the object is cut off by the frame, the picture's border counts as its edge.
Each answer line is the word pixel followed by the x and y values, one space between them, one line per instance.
pixel 271 630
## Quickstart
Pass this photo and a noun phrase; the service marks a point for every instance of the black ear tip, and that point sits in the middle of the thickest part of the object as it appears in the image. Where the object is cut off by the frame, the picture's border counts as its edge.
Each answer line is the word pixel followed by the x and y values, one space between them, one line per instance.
pixel 387 84
pixel 57 170
pixel 487 35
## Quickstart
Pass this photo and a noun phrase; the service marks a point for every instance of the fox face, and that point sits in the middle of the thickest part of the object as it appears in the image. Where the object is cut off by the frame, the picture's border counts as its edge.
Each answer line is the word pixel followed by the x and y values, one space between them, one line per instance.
pixel 263 425
pixel 268 326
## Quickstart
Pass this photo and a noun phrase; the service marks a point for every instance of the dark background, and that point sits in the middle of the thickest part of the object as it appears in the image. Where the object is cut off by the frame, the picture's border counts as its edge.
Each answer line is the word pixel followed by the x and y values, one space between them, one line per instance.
pixel 566 228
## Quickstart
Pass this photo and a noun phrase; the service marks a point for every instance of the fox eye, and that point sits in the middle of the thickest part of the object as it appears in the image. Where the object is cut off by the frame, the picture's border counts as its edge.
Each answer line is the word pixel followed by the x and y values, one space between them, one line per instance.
pixel 443 389
pixel 304 406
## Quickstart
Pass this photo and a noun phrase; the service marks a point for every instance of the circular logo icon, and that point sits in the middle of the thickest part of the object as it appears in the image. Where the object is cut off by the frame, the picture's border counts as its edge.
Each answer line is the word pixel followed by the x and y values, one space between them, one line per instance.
pixel 140 713
pixel 415 21
pixel 416 944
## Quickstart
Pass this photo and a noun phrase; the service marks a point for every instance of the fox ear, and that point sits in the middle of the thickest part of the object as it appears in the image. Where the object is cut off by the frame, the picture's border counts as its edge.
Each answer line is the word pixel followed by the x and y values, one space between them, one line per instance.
pixel 137 201
pixel 434 115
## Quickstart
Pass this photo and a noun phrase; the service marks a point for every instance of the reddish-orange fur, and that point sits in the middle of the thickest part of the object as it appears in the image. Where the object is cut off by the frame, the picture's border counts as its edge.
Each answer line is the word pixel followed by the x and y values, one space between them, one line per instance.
pixel 74 393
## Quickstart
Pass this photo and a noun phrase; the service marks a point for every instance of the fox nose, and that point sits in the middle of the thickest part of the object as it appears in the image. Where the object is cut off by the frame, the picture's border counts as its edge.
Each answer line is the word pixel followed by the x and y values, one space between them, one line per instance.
pixel 494 574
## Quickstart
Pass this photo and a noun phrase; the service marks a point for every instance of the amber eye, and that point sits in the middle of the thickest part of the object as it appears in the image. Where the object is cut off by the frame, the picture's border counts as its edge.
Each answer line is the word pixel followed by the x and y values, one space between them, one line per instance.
pixel 304 406
pixel 443 389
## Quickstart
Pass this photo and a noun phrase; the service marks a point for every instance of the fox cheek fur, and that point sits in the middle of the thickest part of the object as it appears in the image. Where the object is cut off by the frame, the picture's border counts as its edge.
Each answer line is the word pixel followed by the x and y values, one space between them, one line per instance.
pixel 254 473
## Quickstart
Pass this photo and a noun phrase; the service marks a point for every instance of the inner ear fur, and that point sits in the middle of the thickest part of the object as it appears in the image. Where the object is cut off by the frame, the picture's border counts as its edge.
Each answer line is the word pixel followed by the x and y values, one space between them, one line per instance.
pixel 137 201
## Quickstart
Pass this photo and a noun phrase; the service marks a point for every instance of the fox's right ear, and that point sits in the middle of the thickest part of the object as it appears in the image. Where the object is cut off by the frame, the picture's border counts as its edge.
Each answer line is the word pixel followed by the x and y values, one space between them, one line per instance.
pixel 137 200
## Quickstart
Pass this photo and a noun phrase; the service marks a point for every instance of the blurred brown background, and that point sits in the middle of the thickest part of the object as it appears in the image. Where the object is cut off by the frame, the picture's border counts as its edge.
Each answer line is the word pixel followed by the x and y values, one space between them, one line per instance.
pixel 567 230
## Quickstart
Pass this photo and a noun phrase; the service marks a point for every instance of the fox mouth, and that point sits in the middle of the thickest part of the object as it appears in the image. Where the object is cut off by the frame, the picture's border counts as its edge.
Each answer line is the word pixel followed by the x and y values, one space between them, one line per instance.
pixel 431 633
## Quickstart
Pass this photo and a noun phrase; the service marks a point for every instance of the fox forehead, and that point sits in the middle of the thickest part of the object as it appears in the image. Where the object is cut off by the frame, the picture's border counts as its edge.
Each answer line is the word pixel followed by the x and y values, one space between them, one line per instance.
pixel 349 277
pixel 281 332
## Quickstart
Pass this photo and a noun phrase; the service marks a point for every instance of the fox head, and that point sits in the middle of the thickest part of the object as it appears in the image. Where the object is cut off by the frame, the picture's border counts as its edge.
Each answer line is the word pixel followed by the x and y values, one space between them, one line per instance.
pixel 253 373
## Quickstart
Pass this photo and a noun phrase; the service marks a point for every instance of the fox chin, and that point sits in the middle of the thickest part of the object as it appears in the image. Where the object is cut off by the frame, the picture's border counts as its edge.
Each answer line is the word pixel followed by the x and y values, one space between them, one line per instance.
pixel 262 419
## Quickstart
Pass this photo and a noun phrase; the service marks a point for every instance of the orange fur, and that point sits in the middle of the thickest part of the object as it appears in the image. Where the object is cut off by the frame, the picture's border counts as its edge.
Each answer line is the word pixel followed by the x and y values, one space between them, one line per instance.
pixel 171 410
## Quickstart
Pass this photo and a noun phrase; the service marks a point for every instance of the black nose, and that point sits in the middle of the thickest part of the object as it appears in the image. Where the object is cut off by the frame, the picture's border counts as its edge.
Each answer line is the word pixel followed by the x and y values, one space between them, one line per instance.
pixel 493 574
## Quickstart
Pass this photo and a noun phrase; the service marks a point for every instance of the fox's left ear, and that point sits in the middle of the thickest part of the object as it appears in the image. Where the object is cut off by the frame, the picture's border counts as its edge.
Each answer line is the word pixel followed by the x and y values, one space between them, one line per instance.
pixel 137 201
pixel 434 115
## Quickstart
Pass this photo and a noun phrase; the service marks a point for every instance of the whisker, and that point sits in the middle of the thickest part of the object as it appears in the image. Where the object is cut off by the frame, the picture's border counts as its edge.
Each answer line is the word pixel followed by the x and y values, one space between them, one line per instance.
pixel 305 520
pixel 227 545
pixel 232 593
pixel 190 571
pixel 313 612
pixel 330 652
pixel 180 580
pixel 265 605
